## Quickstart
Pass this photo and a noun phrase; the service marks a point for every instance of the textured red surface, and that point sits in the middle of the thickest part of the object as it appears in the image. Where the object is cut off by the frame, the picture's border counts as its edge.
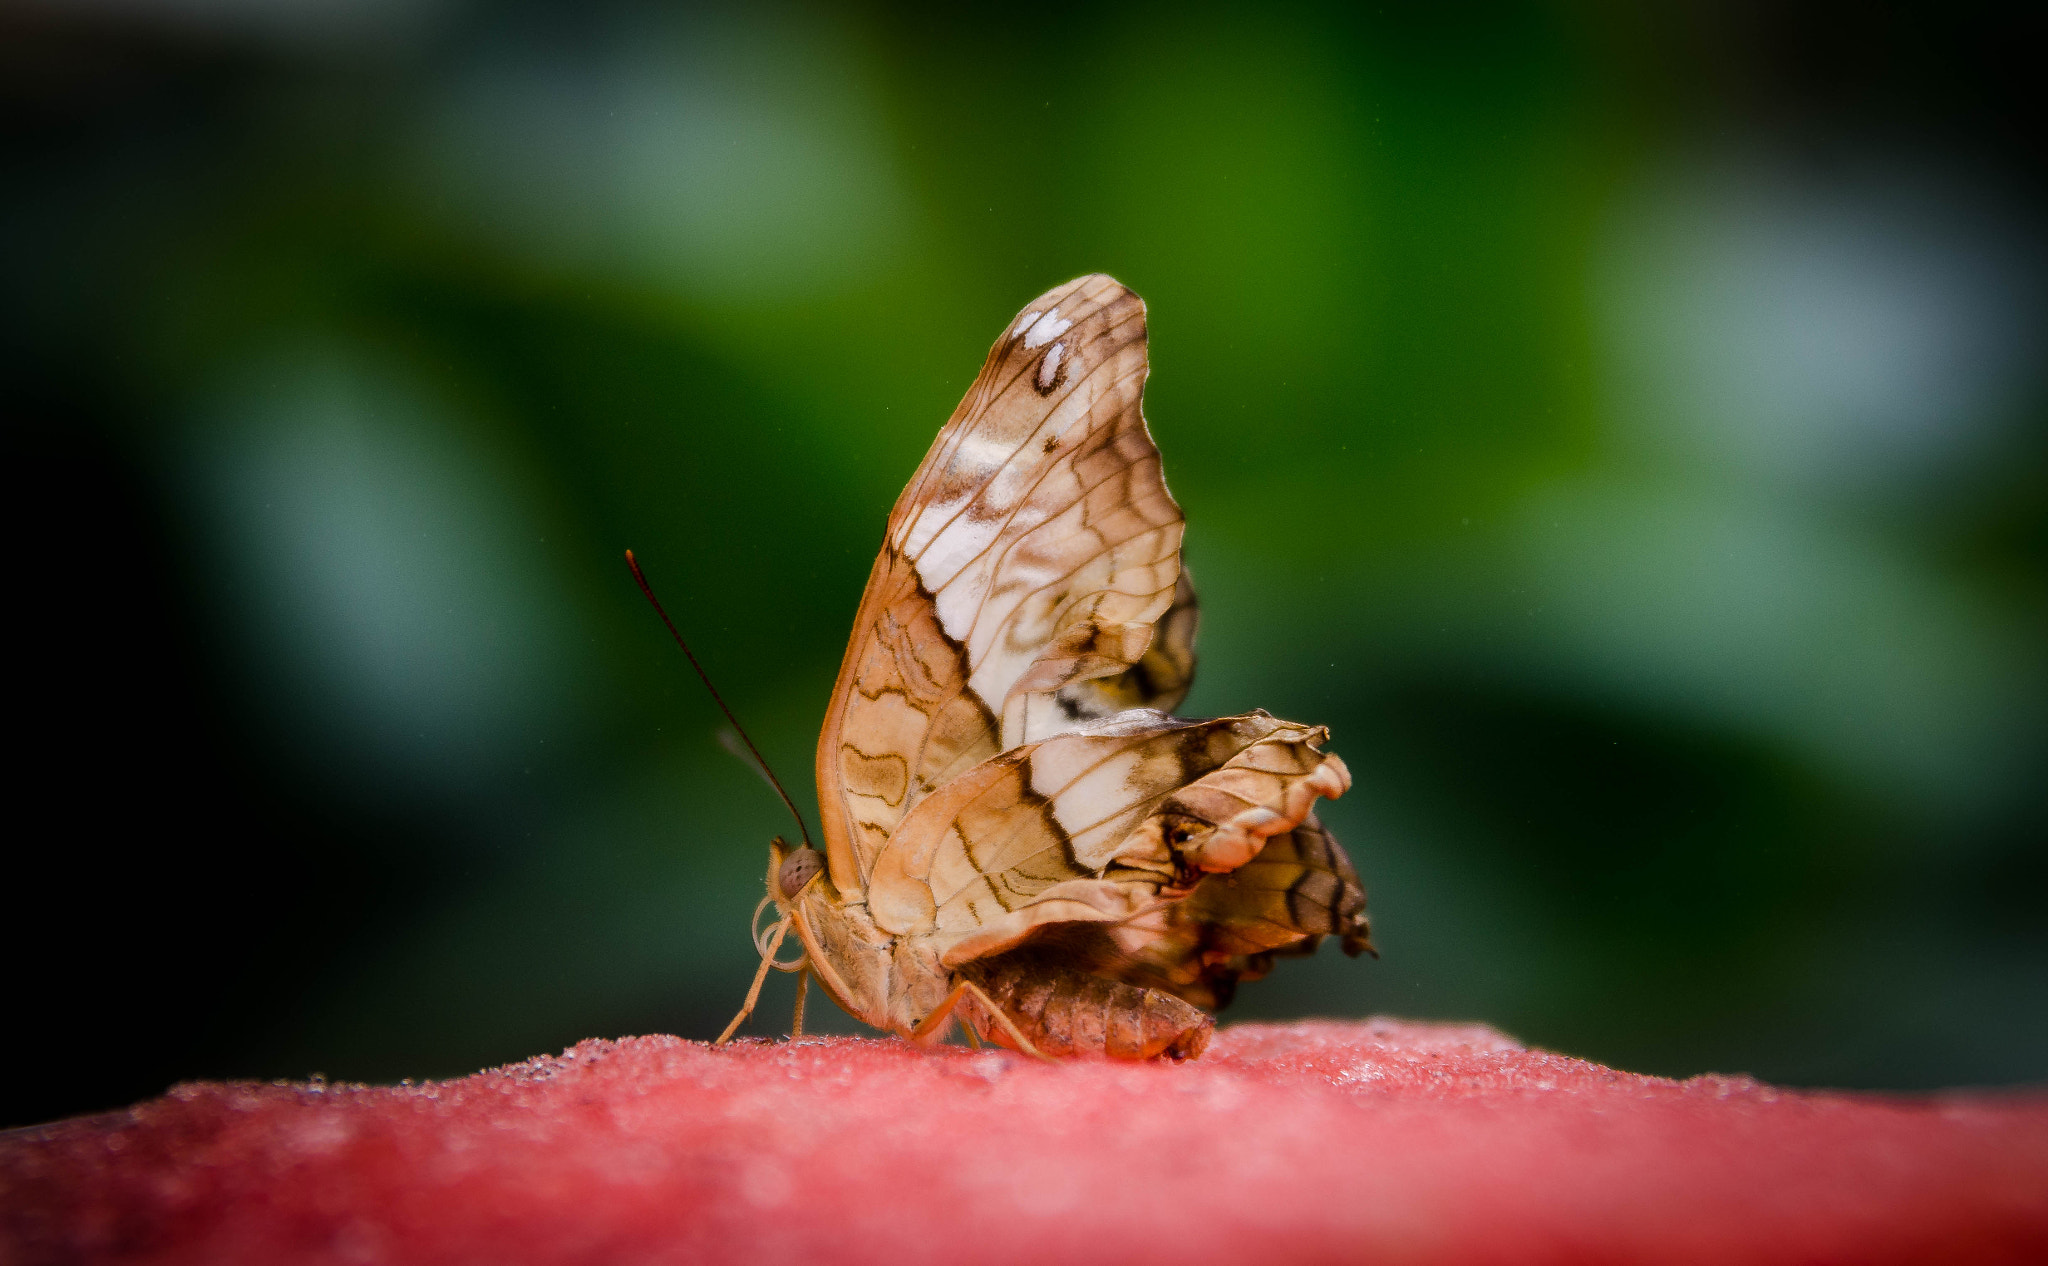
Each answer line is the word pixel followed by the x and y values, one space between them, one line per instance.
pixel 1376 1141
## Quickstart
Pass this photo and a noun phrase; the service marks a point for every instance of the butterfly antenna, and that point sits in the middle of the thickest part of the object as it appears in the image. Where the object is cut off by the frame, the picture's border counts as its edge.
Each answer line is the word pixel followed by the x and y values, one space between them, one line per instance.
pixel 717 698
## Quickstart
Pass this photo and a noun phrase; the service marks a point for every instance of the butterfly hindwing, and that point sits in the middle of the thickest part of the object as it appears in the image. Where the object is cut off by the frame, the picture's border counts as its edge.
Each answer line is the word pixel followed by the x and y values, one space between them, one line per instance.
pixel 1298 890
pixel 1102 824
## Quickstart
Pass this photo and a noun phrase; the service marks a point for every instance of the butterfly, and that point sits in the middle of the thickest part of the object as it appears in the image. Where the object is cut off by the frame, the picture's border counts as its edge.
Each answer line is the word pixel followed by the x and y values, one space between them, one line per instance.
pixel 1018 833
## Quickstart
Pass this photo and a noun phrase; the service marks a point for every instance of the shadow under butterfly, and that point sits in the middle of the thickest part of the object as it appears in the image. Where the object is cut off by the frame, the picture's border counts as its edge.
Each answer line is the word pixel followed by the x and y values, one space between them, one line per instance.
pixel 1018 833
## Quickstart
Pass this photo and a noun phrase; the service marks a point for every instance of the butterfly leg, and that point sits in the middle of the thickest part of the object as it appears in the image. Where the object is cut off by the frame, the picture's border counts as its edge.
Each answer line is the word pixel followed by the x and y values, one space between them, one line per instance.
pixel 760 975
pixel 803 986
pixel 967 988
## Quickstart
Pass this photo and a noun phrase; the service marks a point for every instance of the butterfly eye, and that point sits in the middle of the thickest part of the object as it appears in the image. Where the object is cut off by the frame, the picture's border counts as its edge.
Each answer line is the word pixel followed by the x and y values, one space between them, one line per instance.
pixel 797 870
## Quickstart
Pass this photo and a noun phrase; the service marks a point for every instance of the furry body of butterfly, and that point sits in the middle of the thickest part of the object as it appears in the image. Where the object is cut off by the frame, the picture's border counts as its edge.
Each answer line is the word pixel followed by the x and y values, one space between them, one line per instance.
pixel 1018 833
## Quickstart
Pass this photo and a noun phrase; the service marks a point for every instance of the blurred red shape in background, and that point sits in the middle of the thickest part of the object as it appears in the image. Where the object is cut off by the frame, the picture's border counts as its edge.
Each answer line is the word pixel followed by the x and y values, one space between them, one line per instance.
pixel 1378 1141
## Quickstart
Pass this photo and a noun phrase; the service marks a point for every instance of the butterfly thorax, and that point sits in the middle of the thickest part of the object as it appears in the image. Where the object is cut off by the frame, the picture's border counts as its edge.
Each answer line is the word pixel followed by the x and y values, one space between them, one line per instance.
pixel 883 980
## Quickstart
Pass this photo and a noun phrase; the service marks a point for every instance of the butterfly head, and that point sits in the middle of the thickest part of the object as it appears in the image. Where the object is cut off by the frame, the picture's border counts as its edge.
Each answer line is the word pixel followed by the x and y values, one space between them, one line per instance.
pixel 795 868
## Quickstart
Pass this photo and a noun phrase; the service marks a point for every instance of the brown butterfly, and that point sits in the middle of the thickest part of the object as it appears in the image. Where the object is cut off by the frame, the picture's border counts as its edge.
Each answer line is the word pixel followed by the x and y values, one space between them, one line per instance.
pixel 1018 834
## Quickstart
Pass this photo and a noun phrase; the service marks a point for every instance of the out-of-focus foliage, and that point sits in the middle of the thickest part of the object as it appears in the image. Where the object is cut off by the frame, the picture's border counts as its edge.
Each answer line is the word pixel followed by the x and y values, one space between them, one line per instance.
pixel 1626 435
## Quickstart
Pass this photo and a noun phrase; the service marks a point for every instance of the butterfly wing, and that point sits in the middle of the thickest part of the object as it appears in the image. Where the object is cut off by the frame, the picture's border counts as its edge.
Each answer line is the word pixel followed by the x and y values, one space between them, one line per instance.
pixel 1298 890
pixel 1030 580
pixel 1104 824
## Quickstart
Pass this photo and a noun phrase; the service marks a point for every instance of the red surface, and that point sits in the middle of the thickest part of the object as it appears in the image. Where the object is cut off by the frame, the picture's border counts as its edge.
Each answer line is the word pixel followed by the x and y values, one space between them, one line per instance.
pixel 1378 1141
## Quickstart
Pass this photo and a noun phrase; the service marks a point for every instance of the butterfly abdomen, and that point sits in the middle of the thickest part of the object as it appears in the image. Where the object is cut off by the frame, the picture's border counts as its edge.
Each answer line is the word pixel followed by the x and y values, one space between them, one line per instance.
pixel 1067 1012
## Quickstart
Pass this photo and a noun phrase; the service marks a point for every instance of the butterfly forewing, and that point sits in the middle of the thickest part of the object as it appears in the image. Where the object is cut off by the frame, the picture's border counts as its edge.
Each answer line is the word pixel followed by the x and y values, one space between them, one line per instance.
pixel 1032 554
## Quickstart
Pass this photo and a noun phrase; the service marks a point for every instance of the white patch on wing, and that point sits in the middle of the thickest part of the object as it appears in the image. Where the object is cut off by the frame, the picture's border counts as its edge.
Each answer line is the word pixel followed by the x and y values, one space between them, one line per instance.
pixel 1025 322
pixel 955 546
pixel 917 534
pixel 956 607
pixel 979 455
pixel 1101 792
pixel 1133 721
pixel 972 463
pixel 1045 329
pixel 1050 366
pixel 1094 791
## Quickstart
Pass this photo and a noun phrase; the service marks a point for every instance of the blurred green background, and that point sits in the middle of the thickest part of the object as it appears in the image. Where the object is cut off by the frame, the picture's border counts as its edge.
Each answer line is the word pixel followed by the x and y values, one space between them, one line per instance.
pixel 1625 432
